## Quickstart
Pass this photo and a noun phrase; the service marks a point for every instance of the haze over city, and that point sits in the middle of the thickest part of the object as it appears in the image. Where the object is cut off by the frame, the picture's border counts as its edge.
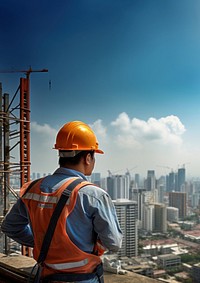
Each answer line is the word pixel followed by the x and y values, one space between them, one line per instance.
pixel 129 68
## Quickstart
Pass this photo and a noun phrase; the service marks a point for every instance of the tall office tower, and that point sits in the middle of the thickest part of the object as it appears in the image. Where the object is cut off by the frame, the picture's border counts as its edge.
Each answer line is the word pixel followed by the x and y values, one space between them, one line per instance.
pixel 133 193
pixel 38 175
pixel 143 197
pixel 181 179
pixel 126 213
pixel 191 188
pixel 171 182
pixel 110 188
pixel 104 183
pixel 121 182
pixel 127 180
pixel 195 200
pixel 137 180
pixel 148 217
pixel 140 204
pixel 151 180
pixel 160 224
pixel 172 214
pixel 96 179
pixel 161 192
pixel 156 195
pixel 196 186
pixel 176 181
pixel 178 200
pixel 118 186
pixel 138 196
pixel 162 181
pixel 167 183
pixel 33 176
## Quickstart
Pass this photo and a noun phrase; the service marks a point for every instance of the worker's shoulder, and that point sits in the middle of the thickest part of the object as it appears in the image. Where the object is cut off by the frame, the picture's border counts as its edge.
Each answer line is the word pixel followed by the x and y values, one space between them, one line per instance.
pixel 93 191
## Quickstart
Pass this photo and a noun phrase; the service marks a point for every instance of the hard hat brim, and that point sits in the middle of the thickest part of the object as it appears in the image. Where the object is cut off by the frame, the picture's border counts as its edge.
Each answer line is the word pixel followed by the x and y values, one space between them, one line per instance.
pixel 99 151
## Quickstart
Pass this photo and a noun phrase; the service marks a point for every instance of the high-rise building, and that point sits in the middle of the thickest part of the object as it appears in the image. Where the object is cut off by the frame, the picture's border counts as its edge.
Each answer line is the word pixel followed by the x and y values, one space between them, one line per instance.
pixel 176 181
pixel 110 188
pixel 155 217
pixel 142 197
pixel 118 186
pixel 127 216
pixel 161 192
pixel 181 179
pixel 148 217
pixel 195 200
pixel 33 176
pixel 151 180
pixel 137 180
pixel 172 214
pixel 96 179
pixel 160 224
pixel 179 200
pixel 171 182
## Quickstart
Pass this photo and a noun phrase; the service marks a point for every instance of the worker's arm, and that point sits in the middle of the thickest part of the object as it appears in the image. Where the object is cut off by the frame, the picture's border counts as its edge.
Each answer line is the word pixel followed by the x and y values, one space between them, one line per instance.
pixel 106 224
pixel 16 225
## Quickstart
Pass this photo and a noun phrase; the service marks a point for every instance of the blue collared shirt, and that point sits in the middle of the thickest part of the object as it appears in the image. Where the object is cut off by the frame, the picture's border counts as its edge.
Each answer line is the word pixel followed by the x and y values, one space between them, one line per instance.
pixel 93 216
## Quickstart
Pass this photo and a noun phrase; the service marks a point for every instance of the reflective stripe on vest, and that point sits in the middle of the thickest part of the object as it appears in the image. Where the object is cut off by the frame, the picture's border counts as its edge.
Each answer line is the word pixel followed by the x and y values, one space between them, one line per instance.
pixel 61 266
pixel 41 198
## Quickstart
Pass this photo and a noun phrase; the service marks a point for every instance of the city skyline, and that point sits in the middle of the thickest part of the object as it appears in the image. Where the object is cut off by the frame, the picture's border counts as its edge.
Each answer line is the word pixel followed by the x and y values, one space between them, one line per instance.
pixel 134 174
pixel 129 69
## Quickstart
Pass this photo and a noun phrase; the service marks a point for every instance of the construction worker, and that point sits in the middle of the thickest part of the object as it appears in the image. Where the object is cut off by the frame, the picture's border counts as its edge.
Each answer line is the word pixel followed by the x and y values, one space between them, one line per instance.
pixel 68 221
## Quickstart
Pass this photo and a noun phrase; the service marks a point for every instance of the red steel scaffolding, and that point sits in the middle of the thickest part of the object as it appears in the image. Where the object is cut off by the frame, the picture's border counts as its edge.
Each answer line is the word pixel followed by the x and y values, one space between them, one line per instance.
pixel 8 118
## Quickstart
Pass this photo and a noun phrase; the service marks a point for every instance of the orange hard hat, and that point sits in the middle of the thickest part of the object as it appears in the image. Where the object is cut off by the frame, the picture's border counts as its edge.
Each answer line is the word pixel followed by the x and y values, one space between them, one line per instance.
pixel 76 136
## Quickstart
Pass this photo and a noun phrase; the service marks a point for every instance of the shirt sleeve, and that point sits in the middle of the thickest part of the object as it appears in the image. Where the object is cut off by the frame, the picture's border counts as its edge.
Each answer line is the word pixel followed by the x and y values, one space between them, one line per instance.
pixel 16 225
pixel 106 224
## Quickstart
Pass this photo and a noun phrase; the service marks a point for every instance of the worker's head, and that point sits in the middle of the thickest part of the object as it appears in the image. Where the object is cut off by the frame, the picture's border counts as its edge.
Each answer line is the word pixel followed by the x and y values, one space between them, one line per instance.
pixel 76 143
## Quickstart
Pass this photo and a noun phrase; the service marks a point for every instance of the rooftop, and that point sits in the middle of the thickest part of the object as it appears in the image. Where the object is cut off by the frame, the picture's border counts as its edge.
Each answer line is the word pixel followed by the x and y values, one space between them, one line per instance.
pixel 17 268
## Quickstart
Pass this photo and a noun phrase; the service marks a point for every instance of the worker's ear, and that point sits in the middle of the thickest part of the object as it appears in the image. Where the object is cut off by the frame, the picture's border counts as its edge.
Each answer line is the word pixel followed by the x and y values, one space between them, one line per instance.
pixel 88 159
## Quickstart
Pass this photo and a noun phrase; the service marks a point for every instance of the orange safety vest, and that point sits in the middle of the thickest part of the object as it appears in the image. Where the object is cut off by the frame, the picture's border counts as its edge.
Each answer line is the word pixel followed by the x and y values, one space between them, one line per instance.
pixel 63 255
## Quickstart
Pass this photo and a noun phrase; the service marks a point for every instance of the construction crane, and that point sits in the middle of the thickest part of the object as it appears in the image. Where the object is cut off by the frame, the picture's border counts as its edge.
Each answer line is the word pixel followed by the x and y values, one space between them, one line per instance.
pixel 128 170
pixel 24 133
pixel 167 167
pixel 26 72
pixel 183 165
pixel 24 88
pixel 110 174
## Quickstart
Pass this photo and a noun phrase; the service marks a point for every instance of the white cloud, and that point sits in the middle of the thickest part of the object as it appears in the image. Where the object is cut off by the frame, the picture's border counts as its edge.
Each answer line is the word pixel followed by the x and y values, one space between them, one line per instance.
pixel 98 128
pixel 44 130
pixel 166 130
pixel 126 142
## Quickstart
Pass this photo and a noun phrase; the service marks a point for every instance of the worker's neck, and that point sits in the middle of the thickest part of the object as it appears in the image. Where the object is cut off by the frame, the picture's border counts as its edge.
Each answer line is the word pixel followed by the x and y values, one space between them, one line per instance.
pixel 77 167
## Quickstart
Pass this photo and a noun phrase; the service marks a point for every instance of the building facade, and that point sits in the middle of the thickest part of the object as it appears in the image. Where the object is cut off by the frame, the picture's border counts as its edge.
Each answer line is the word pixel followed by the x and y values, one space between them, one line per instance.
pixel 179 200
pixel 127 215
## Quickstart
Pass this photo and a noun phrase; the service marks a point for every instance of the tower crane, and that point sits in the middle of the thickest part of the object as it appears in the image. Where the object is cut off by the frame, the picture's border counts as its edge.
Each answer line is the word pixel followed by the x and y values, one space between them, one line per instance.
pixel 167 167
pixel 24 133
pixel 110 174
pixel 183 165
pixel 26 72
pixel 24 88
pixel 128 170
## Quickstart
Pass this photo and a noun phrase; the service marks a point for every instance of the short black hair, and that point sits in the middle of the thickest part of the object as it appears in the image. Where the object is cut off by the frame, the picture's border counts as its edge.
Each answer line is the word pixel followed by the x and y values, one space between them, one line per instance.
pixel 67 161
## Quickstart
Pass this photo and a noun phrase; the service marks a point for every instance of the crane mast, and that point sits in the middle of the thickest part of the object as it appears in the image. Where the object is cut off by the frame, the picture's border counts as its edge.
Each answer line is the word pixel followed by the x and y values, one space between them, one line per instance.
pixel 24 132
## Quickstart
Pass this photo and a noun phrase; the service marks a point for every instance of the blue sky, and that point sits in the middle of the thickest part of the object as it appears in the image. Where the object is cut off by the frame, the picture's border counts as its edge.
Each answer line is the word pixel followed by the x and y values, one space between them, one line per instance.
pixel 131 69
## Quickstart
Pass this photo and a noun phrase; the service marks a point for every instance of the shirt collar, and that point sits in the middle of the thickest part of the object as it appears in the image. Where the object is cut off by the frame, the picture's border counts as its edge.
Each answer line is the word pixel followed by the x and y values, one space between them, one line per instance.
pixel 70 172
